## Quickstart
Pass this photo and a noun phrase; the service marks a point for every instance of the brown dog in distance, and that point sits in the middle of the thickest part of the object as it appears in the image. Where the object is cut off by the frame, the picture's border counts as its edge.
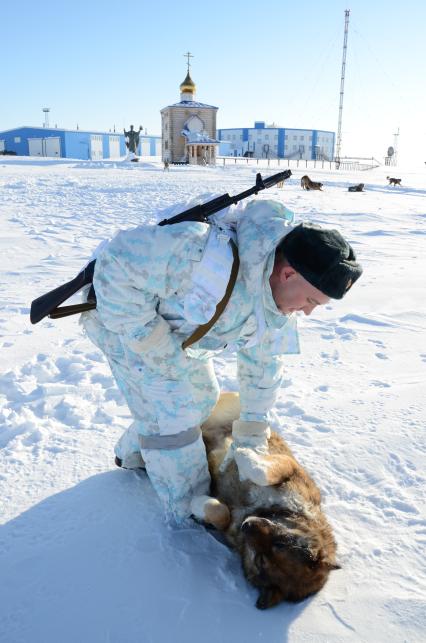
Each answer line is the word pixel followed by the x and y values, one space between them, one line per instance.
pixel 284 540
pixel 307 184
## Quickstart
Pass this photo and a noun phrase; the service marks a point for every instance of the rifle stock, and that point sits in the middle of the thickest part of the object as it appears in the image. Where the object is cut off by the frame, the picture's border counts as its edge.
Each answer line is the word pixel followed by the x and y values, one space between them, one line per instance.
pixel 49 302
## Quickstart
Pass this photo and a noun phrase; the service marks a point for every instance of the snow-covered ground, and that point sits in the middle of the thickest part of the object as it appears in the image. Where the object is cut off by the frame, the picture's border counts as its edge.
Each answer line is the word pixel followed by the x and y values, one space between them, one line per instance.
pixel 84 552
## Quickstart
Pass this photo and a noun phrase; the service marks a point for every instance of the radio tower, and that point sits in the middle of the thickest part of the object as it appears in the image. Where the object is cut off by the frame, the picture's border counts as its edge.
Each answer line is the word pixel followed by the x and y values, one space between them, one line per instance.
pixel 46 111
pixel 342 88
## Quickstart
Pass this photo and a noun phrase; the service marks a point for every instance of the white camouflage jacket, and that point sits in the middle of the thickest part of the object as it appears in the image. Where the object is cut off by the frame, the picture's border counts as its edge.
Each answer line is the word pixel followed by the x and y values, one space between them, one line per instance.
pixel 155 285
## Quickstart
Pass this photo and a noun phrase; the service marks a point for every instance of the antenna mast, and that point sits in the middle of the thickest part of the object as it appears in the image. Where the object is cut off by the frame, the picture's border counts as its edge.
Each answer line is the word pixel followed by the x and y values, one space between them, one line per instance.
pixel 46 111
pixel 395 146
pixel 342 86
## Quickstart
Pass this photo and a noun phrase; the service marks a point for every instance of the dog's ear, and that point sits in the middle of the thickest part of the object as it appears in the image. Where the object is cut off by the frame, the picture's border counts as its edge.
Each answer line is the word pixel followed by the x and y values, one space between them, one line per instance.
pixel 269 597
pixel 326 564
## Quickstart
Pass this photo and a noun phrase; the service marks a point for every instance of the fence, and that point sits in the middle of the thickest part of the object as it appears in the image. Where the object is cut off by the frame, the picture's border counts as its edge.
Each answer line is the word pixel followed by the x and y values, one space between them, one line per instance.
pixel 348 164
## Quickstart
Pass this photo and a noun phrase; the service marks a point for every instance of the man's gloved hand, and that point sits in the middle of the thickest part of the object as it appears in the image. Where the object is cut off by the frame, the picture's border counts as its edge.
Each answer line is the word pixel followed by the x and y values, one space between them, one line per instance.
pixel 250 451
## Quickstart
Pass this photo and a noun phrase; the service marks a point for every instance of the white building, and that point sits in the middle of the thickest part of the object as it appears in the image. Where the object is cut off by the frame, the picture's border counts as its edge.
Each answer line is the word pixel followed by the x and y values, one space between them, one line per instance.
pixel 271 141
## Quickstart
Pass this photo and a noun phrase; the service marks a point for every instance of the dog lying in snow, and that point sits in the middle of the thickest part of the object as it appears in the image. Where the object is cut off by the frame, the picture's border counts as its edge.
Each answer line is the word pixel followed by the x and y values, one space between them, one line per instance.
pixel 307 184
pixel 356 188
pixel 285 542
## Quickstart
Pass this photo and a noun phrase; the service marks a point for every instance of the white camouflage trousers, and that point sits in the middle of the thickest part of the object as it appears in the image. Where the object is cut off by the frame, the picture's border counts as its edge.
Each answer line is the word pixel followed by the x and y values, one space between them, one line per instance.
pixel 176 474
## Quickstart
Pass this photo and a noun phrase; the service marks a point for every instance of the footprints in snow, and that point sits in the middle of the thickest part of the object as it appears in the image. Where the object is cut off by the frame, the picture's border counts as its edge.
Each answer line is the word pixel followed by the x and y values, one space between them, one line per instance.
pixel 46 400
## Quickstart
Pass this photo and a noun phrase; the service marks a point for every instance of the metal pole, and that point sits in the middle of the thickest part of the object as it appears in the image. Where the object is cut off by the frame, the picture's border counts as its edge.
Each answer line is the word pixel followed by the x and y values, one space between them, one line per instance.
pixel 46 111
pixel 342 86
pixel 395 147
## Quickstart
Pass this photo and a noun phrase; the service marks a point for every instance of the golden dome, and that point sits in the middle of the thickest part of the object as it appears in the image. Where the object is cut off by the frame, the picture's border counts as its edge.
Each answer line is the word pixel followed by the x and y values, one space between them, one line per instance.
pixel 188 85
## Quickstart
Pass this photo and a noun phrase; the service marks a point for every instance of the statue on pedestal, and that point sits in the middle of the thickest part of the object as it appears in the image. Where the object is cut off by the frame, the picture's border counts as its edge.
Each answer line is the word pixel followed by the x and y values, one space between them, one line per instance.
pixel 132 142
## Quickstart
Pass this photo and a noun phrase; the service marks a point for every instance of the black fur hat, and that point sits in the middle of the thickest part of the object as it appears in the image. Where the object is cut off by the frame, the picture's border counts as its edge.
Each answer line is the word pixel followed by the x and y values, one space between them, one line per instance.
pixel 322 257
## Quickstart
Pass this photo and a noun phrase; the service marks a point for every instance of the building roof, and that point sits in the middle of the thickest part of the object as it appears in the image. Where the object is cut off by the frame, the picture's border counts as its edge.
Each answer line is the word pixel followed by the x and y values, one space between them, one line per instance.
pixel 198 137
pixel 277 127
pixel 191 103
pixel 79 131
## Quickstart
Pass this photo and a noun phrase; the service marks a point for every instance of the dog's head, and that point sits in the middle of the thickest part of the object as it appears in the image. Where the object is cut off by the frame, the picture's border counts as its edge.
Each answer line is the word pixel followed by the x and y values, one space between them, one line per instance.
pixel 287 557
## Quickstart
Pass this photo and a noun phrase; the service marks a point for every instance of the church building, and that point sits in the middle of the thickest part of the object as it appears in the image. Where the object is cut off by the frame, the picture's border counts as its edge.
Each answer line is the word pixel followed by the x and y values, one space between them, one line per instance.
pixel 188 129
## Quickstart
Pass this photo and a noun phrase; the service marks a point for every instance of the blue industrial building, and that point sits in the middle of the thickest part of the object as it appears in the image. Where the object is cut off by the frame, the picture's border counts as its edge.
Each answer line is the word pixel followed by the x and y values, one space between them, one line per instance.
pixel 271 141
pixel 74 144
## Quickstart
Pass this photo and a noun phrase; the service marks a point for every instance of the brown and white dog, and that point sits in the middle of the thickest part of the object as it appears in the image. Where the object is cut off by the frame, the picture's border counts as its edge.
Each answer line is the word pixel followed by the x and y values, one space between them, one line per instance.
pixel 284 540
pixel 307 184
pixel 393 181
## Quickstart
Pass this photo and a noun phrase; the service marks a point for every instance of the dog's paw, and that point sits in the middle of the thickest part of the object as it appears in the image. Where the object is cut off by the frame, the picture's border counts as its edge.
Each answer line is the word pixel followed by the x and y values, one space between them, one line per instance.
pixel 263 469
pixel 211 511
pixel 252 466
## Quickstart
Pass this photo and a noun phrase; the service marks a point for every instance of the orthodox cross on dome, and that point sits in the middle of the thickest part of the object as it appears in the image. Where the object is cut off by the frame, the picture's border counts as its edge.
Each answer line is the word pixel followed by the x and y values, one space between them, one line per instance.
pixel 188 55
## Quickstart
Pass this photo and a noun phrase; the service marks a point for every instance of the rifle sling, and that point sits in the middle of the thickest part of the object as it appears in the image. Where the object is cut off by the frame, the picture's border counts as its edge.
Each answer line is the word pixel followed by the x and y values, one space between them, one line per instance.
pixel 65 311
pixel 204 328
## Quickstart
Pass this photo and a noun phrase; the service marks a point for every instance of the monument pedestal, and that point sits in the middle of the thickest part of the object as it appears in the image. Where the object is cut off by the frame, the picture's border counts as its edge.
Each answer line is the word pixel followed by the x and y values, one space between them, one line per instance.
pixel 131 156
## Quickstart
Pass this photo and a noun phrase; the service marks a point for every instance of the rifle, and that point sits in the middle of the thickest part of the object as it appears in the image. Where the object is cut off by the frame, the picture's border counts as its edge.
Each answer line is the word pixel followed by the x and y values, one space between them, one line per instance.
pixel 49 304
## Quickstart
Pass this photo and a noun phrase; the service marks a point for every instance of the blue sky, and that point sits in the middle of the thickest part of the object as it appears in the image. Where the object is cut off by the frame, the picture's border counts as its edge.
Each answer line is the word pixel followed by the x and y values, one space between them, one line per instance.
pixel 100 64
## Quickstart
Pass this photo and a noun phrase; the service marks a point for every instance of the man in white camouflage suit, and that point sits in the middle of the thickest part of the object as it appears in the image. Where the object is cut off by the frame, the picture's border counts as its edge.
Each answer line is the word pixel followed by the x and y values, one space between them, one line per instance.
pixel 155 285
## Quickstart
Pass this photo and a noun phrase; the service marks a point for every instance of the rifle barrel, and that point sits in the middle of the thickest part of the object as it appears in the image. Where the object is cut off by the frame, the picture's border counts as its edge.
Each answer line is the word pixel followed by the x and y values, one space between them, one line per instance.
pixel 203 211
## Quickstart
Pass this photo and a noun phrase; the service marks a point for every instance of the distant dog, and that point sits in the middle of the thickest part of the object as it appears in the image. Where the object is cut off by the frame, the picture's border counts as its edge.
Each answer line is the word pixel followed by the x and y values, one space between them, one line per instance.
pixel 280 184
pixel 393 181
pixel 285 542
pixel 307 184
pixel 166 166
pixel 356 188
